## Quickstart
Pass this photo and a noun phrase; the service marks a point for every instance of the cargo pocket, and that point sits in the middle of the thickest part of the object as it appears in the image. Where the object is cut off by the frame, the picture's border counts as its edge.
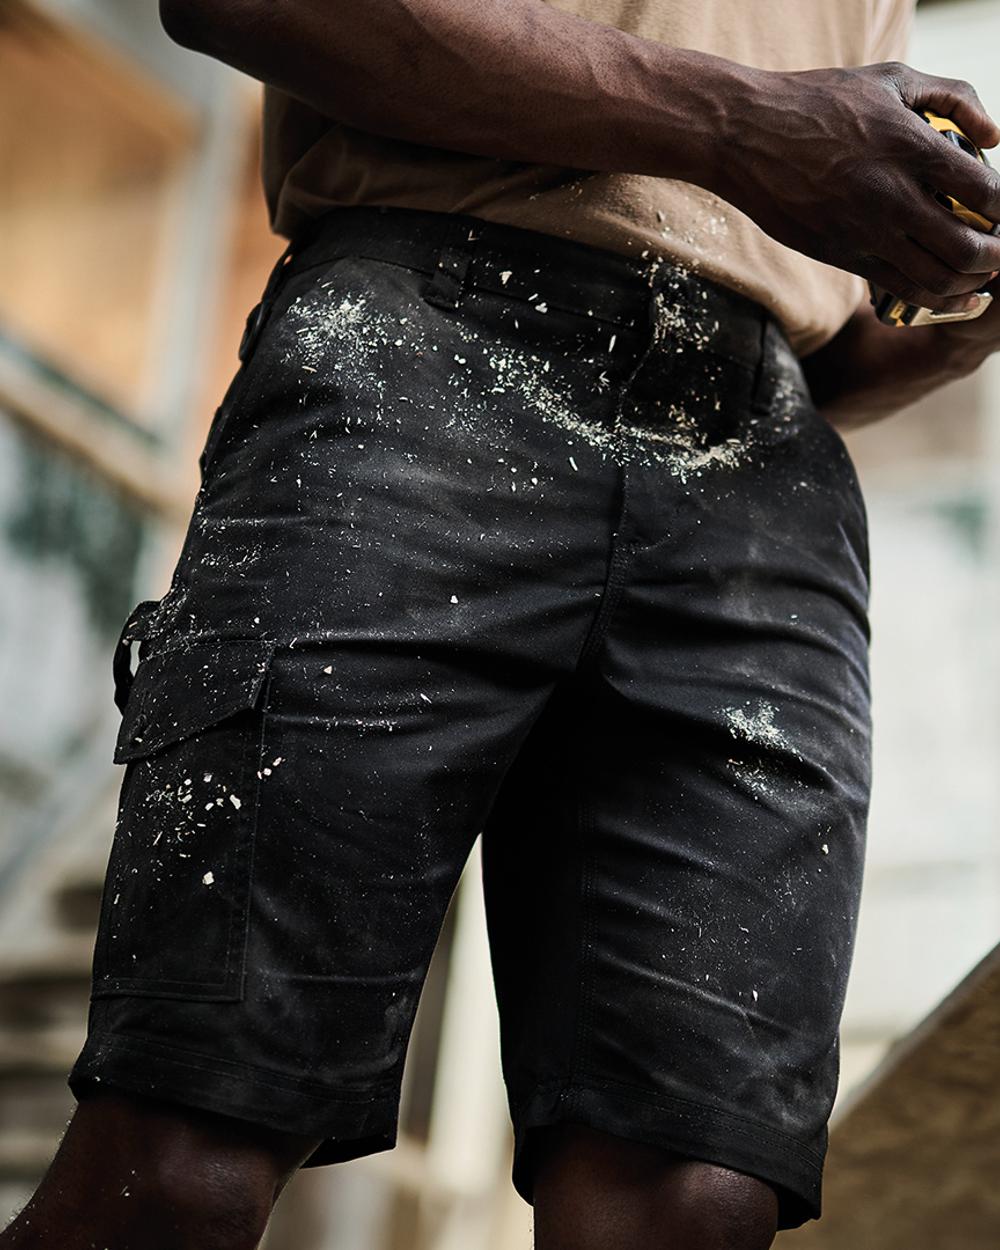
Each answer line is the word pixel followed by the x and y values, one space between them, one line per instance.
pixel 176 897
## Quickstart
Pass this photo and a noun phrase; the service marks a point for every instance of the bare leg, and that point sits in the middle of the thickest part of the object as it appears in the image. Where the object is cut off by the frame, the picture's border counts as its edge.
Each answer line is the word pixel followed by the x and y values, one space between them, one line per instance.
pixel 594 1191
pixel 134 1174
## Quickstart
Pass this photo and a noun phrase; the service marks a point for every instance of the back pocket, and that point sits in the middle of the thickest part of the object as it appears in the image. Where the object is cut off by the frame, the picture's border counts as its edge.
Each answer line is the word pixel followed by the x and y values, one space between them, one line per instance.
pixel 176 897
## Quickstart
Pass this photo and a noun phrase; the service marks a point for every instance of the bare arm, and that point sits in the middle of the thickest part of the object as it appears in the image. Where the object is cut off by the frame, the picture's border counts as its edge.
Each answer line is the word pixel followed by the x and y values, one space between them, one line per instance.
pixel 833 163
pixel 516 79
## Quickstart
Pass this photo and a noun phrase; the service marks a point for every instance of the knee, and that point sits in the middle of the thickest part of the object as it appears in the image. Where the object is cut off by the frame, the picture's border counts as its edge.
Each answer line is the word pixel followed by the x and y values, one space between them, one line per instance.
pixel 201 1200
pixel 595 1190
pixel 708 1206
pixel 137 1174
pixel 161 1206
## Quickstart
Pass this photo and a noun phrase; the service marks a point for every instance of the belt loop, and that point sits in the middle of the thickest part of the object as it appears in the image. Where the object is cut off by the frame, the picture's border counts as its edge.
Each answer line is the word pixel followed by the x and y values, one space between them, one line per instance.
pixel 135 629
pixel 446 288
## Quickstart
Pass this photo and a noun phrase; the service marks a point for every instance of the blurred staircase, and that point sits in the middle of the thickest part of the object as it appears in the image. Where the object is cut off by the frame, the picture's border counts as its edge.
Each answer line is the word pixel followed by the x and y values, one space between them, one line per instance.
pixel 46 946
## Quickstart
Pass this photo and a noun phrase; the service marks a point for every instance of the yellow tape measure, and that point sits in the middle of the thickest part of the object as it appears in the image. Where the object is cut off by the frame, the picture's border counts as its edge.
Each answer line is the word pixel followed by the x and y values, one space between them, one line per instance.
pixel 896 312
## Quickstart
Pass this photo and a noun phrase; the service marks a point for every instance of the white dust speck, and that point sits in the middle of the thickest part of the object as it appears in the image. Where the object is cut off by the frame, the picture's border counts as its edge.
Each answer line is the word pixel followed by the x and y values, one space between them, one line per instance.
pixel 825 849
pixel 454 599
pixel 208 879
pixel 506 276
pixel 235 801
pixel 576 467
pixel 328 669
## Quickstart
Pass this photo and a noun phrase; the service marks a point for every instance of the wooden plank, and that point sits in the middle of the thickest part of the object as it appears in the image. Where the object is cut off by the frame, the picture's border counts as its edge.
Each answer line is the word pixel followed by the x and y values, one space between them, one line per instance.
pixel 914 1158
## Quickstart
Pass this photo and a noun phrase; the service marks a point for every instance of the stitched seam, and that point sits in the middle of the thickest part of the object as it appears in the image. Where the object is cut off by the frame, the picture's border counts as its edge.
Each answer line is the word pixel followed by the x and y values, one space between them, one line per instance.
pixel 239 915
pixel 139 1043
pixel 243 847
pixel 264 699
pixel 614 587
pixel 470 286
pixel 488 288
pixel 636 1093
pixel 147 986
pixel 585 1001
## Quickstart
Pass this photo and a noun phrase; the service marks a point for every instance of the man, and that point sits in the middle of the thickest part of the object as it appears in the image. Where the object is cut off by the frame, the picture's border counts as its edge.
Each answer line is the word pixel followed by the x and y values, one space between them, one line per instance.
pixel 525 515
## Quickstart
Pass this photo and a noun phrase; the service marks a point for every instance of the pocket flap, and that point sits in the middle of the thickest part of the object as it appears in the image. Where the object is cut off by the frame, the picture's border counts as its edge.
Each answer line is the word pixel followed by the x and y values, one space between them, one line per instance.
pixel 178 692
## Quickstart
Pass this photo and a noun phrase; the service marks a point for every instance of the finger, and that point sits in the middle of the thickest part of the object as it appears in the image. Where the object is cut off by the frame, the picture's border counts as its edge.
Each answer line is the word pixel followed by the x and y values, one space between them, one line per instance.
pixel 953 172
pixel 911 290
pixel 949 97
pixel 961 247
pixel 932 275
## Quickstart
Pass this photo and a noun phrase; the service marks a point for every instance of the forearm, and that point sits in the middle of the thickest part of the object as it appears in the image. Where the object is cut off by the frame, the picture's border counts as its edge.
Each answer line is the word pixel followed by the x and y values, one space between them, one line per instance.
pixel 519 80
pixel 870 370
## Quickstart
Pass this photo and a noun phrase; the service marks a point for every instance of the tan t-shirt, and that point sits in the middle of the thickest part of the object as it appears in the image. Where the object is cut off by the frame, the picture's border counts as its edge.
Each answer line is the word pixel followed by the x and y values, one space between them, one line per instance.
pixel 312 164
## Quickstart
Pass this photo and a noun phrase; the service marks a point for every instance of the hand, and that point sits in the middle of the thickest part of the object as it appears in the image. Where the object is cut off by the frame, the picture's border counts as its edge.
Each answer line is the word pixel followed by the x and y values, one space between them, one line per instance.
pixel 836 164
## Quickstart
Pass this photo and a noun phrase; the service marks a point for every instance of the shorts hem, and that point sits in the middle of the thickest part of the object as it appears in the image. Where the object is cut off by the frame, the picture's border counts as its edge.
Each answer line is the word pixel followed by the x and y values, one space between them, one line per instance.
pixel 350 1122
pixel 689 1128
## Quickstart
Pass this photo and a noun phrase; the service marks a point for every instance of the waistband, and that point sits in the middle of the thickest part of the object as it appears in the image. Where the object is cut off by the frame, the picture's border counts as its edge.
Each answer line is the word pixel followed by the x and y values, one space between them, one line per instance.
pixel 459 253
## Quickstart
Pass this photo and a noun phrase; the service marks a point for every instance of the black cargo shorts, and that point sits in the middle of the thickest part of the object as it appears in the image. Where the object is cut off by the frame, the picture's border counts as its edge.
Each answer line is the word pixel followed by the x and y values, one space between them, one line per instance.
pixel 499 534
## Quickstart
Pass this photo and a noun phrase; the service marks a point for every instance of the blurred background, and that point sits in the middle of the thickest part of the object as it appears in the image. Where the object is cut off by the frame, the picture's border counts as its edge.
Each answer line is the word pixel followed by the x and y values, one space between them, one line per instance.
pixel 132 244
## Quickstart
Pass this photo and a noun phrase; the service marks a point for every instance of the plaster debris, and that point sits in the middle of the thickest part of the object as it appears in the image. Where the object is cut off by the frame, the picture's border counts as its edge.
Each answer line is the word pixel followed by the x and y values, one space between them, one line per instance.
pixel 757 724
pixel 345 335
